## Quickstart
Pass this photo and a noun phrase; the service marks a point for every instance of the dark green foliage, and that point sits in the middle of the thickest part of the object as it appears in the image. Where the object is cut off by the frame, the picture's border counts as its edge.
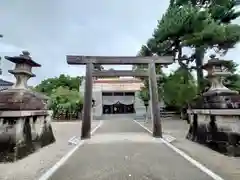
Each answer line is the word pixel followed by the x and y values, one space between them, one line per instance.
pixel 179 89
pixel 65 103
pixel 197 24
pixel 50 84
pixel 144 94
pixel 194 27
pixel 64 94
pixel 233 81
pixel 180 22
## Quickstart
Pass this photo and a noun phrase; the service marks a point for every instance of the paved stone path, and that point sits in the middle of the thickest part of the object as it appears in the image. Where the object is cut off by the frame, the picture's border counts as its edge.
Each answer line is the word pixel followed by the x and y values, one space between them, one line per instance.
pixel 122 150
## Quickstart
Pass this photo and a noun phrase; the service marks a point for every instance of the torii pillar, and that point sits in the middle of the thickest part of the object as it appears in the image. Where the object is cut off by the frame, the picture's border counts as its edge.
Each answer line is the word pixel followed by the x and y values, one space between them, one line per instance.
pixel 87 106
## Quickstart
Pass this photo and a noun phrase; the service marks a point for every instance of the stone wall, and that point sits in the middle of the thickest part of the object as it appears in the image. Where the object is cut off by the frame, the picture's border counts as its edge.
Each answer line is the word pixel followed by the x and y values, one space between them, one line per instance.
pixel 218 128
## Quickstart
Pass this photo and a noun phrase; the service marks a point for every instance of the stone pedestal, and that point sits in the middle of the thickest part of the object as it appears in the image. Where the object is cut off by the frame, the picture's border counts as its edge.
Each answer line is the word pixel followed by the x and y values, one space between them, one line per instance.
pixel 25 121
pixel 20 136
pixel 217 127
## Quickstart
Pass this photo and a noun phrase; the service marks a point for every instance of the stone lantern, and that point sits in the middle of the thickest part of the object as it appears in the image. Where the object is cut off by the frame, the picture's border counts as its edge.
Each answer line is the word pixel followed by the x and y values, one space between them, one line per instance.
pixel 218 95
pixel 215 115
pixel 23 69
pixel 25 121
pixel 216 74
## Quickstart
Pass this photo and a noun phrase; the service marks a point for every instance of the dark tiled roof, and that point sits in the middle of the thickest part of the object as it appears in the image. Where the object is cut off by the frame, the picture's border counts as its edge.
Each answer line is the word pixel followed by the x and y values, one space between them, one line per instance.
pixel 5 83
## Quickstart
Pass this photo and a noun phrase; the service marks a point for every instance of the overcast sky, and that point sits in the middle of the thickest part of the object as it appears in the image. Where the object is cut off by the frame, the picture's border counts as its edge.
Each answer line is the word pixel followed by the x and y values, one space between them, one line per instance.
pixel 51 29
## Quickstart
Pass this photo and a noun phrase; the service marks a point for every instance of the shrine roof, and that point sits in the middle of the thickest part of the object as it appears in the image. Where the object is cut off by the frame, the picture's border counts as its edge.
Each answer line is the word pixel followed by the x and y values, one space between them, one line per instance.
pixel 5 83
pixel 118 80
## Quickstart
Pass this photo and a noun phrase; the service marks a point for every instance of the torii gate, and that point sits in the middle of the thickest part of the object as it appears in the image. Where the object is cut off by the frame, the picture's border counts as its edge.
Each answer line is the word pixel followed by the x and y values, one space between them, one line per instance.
pixel 119 60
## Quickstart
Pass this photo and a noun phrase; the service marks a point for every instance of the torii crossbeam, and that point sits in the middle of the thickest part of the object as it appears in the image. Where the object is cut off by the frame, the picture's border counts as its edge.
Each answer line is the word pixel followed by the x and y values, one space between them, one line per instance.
pixel 122 60
pixel 119 60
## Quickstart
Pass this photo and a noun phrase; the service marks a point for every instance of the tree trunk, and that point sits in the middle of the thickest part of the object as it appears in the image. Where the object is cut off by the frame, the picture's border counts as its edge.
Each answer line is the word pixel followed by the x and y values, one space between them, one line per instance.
pixel 199 62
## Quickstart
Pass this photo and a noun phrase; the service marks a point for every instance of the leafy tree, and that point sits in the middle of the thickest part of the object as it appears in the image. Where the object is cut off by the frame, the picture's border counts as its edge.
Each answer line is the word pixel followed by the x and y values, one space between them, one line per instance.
pixel 196 24
pixel 65 103
pixel 179 89
pixel 64 94
pixel 144 96
pixel 47 86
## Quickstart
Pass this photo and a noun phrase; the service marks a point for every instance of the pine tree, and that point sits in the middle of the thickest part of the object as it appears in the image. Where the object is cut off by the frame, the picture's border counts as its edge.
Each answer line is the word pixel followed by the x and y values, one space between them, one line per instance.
pixel 197 24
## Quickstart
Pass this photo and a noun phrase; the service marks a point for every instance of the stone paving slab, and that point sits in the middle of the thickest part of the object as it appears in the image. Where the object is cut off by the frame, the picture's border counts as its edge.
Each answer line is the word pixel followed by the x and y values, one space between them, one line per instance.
pixel 107 138
pixel 121 161
pixel 103 158
pixel 120 126
pixel 225 166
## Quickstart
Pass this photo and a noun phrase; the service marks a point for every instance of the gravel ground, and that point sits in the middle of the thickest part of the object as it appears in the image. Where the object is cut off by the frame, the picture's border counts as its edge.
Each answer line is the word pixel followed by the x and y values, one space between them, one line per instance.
pixel 33 166
pixel 225 166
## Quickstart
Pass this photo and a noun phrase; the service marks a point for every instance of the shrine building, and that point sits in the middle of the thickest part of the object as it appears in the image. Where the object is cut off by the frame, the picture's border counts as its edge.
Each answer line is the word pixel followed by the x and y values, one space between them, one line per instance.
pixel 116 96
